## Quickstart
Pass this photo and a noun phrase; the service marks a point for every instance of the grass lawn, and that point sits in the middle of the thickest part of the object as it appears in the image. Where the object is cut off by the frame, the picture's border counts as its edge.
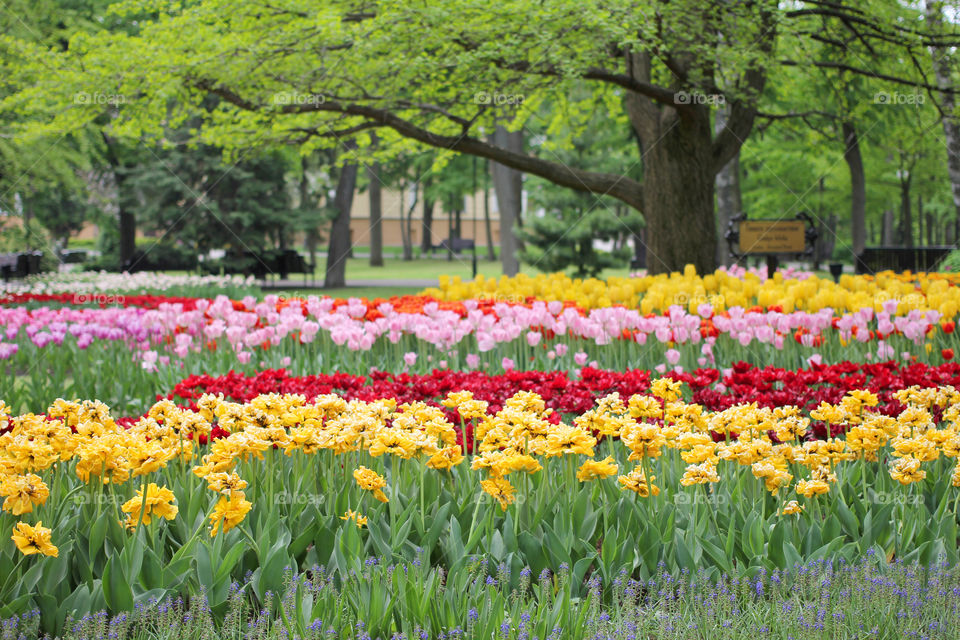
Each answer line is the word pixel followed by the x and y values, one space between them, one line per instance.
pixel 347 292
pixel 427 268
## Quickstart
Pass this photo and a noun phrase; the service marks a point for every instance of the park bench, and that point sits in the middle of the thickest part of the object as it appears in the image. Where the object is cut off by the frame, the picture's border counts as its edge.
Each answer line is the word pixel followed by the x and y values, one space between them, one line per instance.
pixel 19 265
pixel 260 265
pixel 159 260
pixel 876 259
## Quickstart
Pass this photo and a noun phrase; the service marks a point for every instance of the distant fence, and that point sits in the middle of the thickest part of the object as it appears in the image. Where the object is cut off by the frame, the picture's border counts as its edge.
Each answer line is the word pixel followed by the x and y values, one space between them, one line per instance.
pixel 875 259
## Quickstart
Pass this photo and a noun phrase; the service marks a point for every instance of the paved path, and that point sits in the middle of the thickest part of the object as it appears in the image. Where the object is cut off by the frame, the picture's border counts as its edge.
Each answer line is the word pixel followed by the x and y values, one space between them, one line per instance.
pixel 317 283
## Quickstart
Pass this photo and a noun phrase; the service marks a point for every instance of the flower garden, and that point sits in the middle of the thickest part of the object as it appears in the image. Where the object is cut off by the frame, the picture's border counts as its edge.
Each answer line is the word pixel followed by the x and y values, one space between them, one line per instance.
pixel 674 456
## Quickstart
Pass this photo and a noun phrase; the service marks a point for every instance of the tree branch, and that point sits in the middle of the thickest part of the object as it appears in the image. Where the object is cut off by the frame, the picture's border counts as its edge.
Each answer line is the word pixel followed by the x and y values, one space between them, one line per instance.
pixel 620 187
pixel 865 72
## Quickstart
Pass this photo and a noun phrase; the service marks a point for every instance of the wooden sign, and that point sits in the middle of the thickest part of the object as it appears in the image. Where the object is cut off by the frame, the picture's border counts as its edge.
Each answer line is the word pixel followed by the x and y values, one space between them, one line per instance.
pixel 772 236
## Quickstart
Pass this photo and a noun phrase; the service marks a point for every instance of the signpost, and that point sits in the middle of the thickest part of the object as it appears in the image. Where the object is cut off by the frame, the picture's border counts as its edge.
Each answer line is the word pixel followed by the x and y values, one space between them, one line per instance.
pixel 771 238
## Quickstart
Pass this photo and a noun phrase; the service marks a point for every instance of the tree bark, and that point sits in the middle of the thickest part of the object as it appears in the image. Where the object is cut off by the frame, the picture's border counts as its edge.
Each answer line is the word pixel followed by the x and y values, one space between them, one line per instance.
pixel 339 246
pixel 508 185
pixel 679 170
pixel 951 123
pixel 376 216
pixel 729 202
pixel 858 187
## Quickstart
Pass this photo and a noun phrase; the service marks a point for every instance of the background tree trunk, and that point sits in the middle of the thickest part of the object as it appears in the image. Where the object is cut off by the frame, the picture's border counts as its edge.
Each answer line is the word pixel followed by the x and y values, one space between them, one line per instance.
pixel 906 215
pixel 128 237
pixel 339 247
pixel 127 222
pixel 921 227
pixel 951 124
pixel 406 219
pixel 858 187
pixel 508 185
pixel 729 202
pixel 491 253
pixel 376 216
pixel 887 238
pixel 426 242
pixel 312 236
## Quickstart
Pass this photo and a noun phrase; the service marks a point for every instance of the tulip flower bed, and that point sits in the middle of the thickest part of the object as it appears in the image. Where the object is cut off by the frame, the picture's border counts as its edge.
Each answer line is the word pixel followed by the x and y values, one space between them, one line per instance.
pixel 464 467
pixel 88 286
pixel 788 290
pixel 808 602
pixel 49 352
pixel 106 516
pixel 713 389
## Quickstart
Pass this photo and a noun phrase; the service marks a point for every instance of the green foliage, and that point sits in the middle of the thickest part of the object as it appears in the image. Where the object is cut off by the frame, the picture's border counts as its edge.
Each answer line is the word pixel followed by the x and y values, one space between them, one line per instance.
pixel 197 198
pixel 563 236
pixel 564 239
pixel 483 601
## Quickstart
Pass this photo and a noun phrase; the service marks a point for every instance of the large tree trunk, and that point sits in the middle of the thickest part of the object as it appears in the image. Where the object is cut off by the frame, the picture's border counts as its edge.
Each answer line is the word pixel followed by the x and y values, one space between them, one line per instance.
pixel 678 192
pixel 508 185
pixel 339 247
pixel 729 203
pixel 858 187
pixel 376 216
pixel 426 242
pixel 951 124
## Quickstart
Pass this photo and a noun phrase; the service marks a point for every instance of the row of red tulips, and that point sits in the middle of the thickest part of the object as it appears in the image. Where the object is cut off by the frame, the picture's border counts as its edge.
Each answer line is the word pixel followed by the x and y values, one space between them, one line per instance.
pixel 714 389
